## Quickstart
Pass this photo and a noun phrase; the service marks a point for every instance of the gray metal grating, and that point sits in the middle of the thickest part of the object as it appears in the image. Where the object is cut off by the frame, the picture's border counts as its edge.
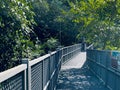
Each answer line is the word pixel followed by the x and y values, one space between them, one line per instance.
pixel 14 83
pixel 41 74
pixel 99 63
pixel 46 71
pixel 36 76
pixel 51 64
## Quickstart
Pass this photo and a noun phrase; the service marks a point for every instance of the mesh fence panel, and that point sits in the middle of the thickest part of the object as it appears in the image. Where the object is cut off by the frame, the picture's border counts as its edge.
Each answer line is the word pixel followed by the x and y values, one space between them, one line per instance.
pixel 100 63
pixel 42 74
pixel 36 76
pixel 14 83
pixel 51 64
pixel 46 71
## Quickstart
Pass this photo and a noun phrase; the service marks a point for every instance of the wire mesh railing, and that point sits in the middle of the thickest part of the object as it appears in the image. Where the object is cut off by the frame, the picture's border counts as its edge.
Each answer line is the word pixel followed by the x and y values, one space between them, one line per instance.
pixel 13 79
pixel 37 74
pixel 70 52
pixel 106 65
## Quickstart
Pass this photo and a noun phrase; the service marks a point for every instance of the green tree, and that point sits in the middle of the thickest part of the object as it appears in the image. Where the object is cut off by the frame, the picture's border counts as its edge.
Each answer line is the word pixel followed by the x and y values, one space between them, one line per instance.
pixel 16 20
pixel 97 19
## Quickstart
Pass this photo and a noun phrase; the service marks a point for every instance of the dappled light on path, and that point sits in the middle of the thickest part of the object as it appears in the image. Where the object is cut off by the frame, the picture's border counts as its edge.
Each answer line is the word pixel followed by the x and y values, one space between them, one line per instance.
pixel 78 78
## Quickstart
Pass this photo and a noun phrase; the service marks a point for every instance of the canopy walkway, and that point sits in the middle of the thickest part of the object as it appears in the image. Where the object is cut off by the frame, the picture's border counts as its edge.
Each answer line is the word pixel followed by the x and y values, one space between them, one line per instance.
pixel 76 75
pixel 67 68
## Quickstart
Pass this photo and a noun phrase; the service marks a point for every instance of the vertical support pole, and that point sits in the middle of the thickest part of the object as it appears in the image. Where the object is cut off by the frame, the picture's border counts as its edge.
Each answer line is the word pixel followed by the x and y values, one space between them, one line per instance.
pixel 25 80
pixel 43 87
pixel 57 56
pixel 61 56
pixel 49 70
pixel 107 66
pixel 84 46
pixel 28 73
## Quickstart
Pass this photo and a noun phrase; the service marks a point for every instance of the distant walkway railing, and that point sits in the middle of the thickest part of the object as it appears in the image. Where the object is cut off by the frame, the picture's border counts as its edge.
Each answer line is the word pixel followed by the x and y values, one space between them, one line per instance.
pixel 37 74
pixel 106 65
pixel 90 46
pixel 70 51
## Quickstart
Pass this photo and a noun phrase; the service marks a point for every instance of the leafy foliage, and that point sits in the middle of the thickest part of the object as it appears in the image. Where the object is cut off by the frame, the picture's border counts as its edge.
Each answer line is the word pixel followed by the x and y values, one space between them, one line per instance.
pixel 30 28
pixel 98 21
pixel 16 20
pixel 52 22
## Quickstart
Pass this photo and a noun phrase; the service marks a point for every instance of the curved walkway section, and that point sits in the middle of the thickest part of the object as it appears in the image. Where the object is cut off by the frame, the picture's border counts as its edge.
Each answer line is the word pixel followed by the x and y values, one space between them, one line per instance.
pixel 75 75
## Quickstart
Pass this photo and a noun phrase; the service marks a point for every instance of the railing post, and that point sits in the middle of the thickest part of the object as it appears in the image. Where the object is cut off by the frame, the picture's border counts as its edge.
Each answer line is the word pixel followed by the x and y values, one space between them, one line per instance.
pixel 25 80
pixel 84 46
pixel 28 73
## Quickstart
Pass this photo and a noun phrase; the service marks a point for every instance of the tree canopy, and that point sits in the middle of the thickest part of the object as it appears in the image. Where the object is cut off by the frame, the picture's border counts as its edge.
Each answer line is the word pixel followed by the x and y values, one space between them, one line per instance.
pixel 31 28
pixel 99 21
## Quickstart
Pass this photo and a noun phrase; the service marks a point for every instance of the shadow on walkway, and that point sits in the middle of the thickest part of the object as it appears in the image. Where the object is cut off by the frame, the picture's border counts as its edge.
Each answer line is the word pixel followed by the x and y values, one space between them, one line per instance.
pixel 79 79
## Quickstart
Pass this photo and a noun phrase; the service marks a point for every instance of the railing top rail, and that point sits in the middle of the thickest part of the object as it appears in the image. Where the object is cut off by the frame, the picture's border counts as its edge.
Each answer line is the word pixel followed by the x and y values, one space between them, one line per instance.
pixel 35 61
pixel 90 46
pixel 70 46
pixel 105 50
pixel 15 70
pixel 45 67
pixel 12 72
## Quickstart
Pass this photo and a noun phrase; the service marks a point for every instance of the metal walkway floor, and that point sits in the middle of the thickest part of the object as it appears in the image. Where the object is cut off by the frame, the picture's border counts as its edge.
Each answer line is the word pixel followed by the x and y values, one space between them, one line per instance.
pixel 75 75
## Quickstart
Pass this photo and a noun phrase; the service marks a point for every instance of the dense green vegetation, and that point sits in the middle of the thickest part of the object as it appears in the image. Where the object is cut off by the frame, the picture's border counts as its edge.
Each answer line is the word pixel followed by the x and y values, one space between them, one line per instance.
pixel 31 28
pixel 99 20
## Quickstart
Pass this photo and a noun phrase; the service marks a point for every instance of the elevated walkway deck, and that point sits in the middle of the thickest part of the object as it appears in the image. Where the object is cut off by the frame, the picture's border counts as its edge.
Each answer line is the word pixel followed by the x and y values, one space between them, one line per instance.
pixel 75 75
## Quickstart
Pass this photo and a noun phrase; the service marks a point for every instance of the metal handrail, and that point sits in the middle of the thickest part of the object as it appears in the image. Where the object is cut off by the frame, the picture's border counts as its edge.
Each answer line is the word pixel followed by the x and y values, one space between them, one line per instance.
pixel 90 46
pixel 29 69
